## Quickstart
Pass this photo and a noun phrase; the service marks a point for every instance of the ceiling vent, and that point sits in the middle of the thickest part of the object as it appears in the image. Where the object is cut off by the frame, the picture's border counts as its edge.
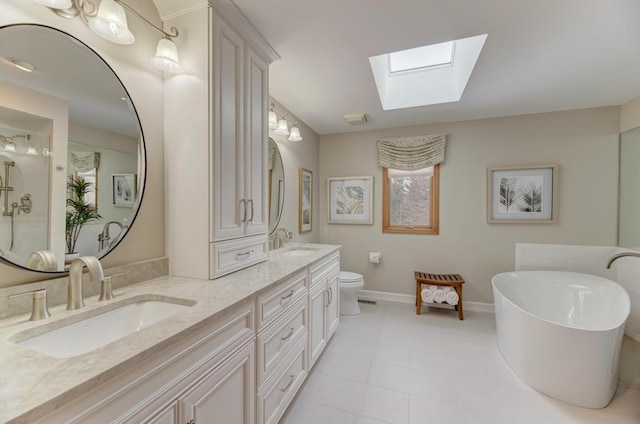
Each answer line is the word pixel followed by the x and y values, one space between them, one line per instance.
pixel 356 119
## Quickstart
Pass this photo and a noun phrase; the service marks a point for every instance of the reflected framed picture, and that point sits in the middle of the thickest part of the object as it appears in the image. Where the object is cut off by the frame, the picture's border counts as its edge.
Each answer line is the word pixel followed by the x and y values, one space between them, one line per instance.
pixel 522 194
pixel 350 200
pixel 123 187
pixel 305 196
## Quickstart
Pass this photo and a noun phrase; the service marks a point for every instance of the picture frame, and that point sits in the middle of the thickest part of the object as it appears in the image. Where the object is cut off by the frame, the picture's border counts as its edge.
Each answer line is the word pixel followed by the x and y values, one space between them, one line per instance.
pixel 350 200
pixel 526 194
pixel 124 190
pixel 305 201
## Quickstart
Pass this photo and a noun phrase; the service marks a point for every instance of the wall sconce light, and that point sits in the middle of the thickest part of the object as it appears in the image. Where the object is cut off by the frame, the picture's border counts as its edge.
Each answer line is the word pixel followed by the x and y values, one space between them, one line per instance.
pixel 273 119
pixel 294 133
pixel 10 143
pixel 109 20
pixel 283 127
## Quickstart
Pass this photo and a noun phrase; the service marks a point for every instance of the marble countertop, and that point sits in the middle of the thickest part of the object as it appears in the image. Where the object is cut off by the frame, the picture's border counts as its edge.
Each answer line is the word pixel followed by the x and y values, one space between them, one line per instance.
pixel 33 385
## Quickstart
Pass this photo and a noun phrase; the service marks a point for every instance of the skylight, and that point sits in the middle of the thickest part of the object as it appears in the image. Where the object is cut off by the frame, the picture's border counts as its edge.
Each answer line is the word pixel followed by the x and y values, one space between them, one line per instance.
pixel 426 75
pixel 422 57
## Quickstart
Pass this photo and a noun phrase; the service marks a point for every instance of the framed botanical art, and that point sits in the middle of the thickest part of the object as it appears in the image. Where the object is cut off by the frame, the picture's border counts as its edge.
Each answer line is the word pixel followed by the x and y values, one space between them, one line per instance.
pixel 305 196
pixel 123 188
pixel 350 200
pixel 522 194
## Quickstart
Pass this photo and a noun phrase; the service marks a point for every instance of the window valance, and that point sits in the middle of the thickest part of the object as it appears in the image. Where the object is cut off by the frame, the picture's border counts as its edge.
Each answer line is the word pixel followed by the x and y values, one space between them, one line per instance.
pixel 410 153
pixel 84 161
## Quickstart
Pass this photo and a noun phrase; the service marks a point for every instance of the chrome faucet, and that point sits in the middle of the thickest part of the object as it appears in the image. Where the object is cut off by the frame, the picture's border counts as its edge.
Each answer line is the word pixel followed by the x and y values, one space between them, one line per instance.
pixel 279 235
pixel 75 300
pixel 621 255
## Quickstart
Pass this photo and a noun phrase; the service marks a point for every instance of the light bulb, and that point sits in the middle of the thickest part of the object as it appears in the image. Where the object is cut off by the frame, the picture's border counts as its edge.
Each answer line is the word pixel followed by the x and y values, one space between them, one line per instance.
pixel 32 151
pixel 10 147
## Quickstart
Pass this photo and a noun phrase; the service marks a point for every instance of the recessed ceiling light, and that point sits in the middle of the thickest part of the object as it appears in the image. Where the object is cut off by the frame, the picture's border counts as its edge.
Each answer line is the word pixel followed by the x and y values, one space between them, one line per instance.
pixel 22 65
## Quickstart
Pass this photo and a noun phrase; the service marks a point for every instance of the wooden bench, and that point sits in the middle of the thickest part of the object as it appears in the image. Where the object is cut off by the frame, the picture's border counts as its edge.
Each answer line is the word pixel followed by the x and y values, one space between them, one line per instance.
pixel 445 280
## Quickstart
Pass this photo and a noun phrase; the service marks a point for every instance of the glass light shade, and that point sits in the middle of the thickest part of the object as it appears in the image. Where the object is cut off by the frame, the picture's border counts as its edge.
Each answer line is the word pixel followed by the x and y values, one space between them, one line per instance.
pixel 32 151
pixel 10 147
pixel 283 127
pixel 55 4
pixel 273 120
pixel 110 23
pixel 294 134
pixel 166 58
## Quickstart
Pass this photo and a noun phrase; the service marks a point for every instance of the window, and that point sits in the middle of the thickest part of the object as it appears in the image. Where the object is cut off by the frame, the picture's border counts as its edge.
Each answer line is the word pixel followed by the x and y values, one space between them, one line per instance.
pixel 410 201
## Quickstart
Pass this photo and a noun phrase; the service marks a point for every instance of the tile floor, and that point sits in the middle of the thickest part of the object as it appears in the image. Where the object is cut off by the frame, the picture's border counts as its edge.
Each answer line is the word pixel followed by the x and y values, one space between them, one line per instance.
pixel 388 365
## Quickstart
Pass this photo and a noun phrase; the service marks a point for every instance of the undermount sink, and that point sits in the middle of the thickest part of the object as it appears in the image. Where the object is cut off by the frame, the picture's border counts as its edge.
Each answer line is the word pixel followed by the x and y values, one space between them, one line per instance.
pixel 95 331
pixel 299 251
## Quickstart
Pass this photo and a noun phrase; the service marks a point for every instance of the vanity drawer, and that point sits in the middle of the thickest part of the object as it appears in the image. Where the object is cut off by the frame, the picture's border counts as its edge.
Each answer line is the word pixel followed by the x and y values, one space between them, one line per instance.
pixel 274 302
pixel 230 256
pixel 323 268
pixel 278 392
pixel 277 339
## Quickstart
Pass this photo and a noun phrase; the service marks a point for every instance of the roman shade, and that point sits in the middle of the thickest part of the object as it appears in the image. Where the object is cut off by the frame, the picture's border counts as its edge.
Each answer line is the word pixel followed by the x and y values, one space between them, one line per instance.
pixel 84 161
pixel 411 153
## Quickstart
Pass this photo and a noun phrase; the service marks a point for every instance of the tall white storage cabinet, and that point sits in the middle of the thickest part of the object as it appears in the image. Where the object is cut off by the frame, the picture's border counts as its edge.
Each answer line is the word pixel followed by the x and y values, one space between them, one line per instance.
pixel 216 144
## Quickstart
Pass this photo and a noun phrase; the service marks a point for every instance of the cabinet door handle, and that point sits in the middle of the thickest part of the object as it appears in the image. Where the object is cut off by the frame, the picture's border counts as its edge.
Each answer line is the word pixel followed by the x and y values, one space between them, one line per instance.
pixel 241 255
pixel 282 298
pixel 285 388
pixel 288 335
pixel 250 201
pixel 243 209
pixel 325 293
pixel 330 295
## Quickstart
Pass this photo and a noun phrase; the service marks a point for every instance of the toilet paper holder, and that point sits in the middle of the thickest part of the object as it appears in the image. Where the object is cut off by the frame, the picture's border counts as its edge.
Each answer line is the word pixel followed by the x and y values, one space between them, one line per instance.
pixel 375 257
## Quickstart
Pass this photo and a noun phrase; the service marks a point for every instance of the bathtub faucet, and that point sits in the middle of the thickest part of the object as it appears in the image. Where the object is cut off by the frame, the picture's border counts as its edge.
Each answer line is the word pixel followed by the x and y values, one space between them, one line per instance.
pixel 622 255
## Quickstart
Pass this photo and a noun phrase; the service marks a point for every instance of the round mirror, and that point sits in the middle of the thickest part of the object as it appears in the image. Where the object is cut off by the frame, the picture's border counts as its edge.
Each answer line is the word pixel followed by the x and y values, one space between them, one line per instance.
pixel 276 185
pixel 72 158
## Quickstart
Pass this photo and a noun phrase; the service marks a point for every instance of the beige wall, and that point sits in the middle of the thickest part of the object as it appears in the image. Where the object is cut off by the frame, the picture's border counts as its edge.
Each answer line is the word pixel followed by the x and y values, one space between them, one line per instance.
pixel 146 238
pixel 585 145
pixel 295 155
pixel 630 115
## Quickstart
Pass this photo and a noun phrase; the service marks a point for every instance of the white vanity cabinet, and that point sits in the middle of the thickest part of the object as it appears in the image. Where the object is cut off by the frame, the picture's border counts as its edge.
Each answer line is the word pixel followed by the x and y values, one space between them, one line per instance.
pixel 281 346
pixel 216 144
pixel 209 376
pixel 324 299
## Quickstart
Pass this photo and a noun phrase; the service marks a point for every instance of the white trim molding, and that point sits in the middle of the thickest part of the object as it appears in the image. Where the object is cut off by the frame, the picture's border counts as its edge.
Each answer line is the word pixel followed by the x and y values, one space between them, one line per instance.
pixel 410 299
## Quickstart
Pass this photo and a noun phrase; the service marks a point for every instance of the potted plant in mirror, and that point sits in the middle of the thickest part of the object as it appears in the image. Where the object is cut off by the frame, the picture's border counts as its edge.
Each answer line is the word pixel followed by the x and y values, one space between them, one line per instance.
pixel 79 213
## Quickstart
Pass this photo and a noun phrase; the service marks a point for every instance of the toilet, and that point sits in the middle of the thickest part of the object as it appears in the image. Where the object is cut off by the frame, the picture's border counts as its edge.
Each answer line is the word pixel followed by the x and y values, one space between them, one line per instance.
pixel 350 283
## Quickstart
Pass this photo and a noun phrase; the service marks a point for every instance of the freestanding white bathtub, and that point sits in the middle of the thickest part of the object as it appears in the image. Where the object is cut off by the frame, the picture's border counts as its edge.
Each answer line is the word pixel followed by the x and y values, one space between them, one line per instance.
pixel 561 332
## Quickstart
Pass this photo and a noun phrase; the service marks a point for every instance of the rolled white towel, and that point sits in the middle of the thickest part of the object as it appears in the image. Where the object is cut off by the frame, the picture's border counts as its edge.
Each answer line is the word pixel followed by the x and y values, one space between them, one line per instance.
pixel 452 298
pixel 439 295
pixel 427 295
pixel 430 287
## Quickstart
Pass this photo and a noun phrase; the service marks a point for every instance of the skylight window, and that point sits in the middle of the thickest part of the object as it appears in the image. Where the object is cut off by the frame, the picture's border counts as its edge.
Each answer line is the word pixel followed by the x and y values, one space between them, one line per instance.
pixel 426 75
pixel 422 57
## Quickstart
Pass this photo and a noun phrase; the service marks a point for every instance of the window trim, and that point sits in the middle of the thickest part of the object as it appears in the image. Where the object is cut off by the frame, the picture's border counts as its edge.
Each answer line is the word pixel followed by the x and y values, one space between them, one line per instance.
pixel 433 228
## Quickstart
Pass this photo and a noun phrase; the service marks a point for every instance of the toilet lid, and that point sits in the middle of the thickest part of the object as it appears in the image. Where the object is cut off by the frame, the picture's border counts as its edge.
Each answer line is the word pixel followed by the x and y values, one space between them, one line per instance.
pixel 349 277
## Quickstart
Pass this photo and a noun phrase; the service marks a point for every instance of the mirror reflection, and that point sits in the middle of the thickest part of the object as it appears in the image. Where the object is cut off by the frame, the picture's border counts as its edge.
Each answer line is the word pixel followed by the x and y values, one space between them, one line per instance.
pixel 629 220
pixel 276 185
pixel 71 150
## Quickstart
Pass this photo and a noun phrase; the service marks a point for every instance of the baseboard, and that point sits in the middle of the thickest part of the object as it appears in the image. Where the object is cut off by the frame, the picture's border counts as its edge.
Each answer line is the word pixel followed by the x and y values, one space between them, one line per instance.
pixel 633 334
pixel 410 299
